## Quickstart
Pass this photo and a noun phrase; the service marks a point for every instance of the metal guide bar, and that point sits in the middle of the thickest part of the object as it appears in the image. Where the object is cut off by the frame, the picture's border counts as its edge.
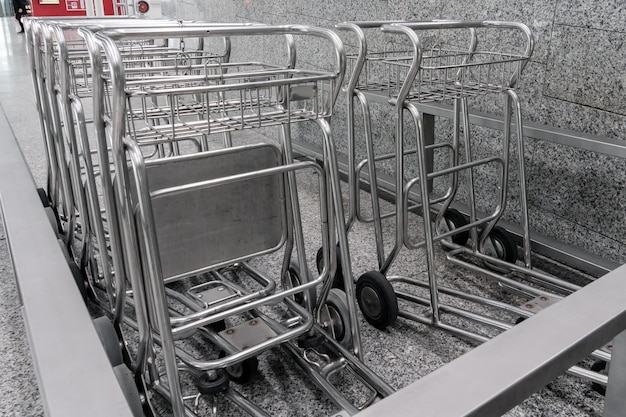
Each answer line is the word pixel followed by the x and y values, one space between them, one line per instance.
pixel 571 138
pixel 488 381
pixel 74 374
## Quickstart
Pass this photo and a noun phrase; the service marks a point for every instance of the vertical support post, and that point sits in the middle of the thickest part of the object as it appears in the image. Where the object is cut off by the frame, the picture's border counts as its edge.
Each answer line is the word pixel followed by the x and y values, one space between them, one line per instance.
pixel 99 7
pixel 615 402
pixel 428 123
pixel 89 10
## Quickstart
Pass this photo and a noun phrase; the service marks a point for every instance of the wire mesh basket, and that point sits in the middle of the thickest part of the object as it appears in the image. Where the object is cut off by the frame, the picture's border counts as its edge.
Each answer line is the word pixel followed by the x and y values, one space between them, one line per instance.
pixel 448 74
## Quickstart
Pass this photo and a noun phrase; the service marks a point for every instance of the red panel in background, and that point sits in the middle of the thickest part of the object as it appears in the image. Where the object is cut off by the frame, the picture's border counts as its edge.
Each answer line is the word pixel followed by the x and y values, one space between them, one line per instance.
pixel 65 8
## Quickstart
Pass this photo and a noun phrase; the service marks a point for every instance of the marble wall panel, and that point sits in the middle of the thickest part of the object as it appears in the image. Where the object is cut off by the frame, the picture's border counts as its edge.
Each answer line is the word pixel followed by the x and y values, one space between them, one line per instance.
pixel 586 67
pixel 605 15
pixel 575 81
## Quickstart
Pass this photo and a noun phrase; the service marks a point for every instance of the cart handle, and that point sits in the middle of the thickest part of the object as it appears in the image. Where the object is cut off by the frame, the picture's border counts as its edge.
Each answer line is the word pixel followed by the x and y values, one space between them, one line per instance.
pixel 358 28
pixel 234 30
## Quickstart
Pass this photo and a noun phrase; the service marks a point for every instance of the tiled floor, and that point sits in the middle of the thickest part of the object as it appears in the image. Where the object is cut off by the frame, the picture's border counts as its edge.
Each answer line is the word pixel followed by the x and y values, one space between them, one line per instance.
pixel 401 354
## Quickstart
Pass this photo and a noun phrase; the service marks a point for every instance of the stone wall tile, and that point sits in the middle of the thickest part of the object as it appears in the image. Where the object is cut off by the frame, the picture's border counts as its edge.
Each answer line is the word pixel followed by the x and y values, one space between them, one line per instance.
pixel 587 67
pixel 608 15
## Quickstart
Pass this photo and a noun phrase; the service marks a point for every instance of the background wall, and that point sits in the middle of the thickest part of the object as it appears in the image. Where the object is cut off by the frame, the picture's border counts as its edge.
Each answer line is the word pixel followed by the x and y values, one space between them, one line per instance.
pixel 576 81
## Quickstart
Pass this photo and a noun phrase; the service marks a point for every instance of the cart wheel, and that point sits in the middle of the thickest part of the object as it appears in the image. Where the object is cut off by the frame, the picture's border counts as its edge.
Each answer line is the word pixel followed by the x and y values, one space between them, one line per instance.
pixel 218 326
pixel 43 196
pixel 377 300
pixel 53 218
pixel 126 379
pixel 295 279
pixel 212 382
pixel 109 340
pixel 502 247
pixel 81 281
pixel 453 219
pixel 244 371
pixel 79 277
pixel 336 317
pixel 600 367
pixel 308 341
pixel 338 278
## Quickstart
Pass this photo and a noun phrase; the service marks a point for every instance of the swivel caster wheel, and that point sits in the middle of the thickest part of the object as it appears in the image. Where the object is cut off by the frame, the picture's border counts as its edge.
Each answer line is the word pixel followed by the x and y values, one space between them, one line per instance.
pixel 79 276
pixel 43 196
pixel 600 367
pixel 109 340
pixel 213 382
pixel 244 371
pixel 309 340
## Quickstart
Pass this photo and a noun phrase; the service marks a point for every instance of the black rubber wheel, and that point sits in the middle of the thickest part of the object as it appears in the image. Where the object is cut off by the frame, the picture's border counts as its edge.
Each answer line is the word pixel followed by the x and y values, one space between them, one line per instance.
pixel 335 317
pixel 53 218
pixel 338 278
pixel 109 340
pixel 377 300
pixel 504 246
pixel 218 326
pixel 213 382
pixel 126 379
pixel 244 371
pixel 453 220
pixel 295 279
pixel 79 276
pixel 600 367
pixel 311 340
pixel 43 196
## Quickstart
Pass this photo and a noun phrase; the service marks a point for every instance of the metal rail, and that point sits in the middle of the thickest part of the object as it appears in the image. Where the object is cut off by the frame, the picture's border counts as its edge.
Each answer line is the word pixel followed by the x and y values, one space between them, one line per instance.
pixel 74 375
pixel 571 138
pixel 559 251
pixel 487 382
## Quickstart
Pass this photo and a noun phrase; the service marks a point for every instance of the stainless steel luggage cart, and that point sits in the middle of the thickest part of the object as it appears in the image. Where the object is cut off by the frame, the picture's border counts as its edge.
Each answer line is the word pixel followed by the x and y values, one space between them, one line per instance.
pixel 44 50
pixel 409 64
pixel 61 67
pixel 209 215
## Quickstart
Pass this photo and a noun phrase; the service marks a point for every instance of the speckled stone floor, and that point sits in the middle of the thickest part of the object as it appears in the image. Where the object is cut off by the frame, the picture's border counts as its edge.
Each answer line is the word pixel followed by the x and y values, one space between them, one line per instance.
pixel 401 354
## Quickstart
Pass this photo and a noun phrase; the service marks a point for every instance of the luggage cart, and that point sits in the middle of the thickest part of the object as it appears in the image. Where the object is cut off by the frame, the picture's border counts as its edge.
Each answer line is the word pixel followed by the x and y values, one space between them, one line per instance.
pixel 62 68
pixel 40 43
pixel 223 98
pixel 443 62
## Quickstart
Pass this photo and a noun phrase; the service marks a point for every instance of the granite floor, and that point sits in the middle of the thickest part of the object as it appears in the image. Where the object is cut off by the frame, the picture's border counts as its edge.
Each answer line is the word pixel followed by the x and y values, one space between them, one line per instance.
pixel 401 354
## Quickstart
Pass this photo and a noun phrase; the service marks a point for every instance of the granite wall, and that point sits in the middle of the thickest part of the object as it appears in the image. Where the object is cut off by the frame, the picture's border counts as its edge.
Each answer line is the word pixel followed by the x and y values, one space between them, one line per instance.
pixel 576 80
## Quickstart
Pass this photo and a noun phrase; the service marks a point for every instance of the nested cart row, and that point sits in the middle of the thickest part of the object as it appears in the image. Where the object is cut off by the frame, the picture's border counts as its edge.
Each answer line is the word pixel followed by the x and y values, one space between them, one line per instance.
pixel 169 231
pixel 171 224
